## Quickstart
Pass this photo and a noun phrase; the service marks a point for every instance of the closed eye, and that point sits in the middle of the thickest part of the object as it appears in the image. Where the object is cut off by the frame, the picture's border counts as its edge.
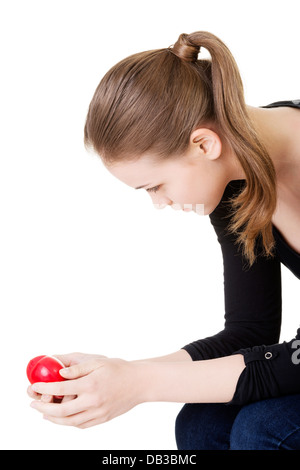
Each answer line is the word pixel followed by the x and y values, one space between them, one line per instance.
pixel 154 189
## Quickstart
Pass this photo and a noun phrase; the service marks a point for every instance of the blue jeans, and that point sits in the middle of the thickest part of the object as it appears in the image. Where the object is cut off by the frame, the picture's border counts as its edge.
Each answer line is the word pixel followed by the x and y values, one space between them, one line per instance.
pixel 272 424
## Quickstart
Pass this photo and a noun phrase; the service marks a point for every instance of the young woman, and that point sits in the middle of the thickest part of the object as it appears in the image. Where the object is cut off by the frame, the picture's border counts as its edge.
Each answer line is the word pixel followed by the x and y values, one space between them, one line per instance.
pixel 178 126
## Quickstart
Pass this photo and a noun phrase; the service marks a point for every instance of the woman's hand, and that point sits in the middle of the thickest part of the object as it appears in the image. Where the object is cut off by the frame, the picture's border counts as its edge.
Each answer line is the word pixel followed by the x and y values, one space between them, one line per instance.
pixel 98 390
pixel 68 360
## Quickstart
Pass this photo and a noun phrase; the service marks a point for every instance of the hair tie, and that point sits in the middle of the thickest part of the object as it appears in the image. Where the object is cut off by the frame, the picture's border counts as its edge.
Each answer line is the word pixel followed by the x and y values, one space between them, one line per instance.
pixel 185 49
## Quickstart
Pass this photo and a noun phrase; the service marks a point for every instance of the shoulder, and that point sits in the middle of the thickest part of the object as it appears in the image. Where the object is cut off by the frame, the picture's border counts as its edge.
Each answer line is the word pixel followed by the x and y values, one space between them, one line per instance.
pixel 287 103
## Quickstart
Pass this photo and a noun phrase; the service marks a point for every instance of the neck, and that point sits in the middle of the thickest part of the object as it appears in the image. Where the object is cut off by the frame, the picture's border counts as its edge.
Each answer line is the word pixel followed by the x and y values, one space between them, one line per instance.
pixel 273 127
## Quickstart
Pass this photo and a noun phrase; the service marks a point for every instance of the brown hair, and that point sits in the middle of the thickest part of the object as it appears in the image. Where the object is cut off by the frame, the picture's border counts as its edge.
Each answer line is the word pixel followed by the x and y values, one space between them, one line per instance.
pixel 152 101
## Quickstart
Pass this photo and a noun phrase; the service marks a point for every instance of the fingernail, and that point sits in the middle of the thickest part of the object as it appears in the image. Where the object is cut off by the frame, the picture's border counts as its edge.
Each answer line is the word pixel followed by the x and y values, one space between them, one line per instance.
pixel 66 370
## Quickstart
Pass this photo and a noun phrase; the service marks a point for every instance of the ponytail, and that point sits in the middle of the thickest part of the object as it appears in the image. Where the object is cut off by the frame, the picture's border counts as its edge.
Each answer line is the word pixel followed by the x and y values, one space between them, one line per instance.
pixel 152 101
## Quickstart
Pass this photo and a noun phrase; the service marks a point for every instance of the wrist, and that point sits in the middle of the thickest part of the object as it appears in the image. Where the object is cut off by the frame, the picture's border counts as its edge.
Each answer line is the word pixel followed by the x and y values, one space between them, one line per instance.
pixel 147 380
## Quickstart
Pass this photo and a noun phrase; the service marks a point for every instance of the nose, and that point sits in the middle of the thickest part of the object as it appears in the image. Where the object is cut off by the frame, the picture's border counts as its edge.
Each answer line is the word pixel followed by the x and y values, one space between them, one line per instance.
pixel 161 203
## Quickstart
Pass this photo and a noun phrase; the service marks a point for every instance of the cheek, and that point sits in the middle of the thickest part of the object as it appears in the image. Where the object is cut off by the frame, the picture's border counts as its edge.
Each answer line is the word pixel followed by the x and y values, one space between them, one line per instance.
pixel 197 190
pixel 197 186
pixel 203 191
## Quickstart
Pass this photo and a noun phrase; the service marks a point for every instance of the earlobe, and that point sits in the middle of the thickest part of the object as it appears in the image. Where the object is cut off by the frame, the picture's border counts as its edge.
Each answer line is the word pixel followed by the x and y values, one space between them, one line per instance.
pixel 207 142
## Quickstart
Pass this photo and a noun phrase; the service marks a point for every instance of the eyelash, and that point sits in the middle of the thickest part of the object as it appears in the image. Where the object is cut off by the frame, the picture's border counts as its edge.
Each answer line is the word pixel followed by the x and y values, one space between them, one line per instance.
pixel 153 190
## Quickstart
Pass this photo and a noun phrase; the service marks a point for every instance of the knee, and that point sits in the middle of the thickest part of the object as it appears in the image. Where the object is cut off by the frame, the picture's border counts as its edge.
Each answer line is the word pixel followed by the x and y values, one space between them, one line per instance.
pixel 254 428
pixel 183 429
pixel 243 436
pixel 271 424
pixel 204 426
pixel 190 429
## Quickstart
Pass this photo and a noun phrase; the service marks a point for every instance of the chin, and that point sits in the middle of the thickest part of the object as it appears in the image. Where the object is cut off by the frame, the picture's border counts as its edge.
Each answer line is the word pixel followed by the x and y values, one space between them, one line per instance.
pixel 209 209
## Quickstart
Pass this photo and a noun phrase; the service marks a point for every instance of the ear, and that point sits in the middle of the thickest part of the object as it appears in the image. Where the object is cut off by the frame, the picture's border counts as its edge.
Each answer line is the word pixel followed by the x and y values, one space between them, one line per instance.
pixel 207 143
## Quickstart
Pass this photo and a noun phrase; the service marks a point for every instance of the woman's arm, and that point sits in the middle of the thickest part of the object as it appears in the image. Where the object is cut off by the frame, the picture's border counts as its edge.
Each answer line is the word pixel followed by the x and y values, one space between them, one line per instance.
pixel 209 381
pixel 178 356
pixel 252 295
pixel 106 388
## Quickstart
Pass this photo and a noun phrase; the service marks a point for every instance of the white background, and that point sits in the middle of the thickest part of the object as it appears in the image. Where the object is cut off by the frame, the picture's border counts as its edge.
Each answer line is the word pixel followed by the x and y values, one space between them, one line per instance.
pixel 87 264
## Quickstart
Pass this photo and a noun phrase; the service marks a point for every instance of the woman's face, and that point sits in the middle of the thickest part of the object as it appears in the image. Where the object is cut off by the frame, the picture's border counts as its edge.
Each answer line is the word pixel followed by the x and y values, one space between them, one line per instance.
pixel 193 182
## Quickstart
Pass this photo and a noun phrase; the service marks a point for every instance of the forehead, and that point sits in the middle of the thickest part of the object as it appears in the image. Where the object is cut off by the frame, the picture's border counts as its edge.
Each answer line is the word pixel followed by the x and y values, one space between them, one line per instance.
pixel 145 170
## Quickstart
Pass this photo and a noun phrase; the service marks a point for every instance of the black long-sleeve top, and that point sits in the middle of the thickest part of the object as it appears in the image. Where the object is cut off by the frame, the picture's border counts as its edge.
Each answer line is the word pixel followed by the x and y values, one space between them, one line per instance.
pixel 253 312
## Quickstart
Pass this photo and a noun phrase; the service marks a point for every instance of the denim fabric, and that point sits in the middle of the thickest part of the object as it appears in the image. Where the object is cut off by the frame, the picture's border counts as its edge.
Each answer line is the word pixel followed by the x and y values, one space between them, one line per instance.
pixel 272 424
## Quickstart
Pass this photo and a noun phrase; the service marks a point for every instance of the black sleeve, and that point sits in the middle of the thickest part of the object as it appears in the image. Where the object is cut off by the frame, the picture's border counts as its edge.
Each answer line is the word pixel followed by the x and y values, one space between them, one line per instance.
pixel 271 371
pixel 252 295
pixel 252 321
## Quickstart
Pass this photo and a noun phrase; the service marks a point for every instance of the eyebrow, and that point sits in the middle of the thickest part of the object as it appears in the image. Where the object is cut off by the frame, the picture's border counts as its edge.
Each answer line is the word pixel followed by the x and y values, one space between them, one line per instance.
pixel 140 187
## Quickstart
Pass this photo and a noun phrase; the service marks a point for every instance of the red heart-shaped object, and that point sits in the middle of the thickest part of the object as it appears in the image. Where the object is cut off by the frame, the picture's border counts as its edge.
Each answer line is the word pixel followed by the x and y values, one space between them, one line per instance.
pixel 44 369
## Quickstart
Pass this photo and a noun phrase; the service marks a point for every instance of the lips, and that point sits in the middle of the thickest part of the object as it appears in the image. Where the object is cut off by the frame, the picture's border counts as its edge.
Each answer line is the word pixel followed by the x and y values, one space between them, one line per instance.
pixel 197 208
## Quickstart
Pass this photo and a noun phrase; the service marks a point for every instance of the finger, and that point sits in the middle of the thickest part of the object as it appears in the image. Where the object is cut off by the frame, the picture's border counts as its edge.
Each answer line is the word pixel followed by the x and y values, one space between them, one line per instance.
pixel 66 359
pixel 78 420
pixel 68 398
pixel 59 410
pixel 68 387
pixel 70 359
pixel 46 398
pixel 81 369
pixel 33 394
pixel 92 422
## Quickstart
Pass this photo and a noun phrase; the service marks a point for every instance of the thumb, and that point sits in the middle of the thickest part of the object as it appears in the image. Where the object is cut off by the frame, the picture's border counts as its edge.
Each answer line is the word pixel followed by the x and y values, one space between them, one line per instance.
pixel 80 370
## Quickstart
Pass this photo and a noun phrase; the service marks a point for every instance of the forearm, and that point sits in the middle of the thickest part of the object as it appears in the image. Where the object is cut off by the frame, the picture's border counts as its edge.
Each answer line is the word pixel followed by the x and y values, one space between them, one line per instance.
pixel 209 381
pixel 177 356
